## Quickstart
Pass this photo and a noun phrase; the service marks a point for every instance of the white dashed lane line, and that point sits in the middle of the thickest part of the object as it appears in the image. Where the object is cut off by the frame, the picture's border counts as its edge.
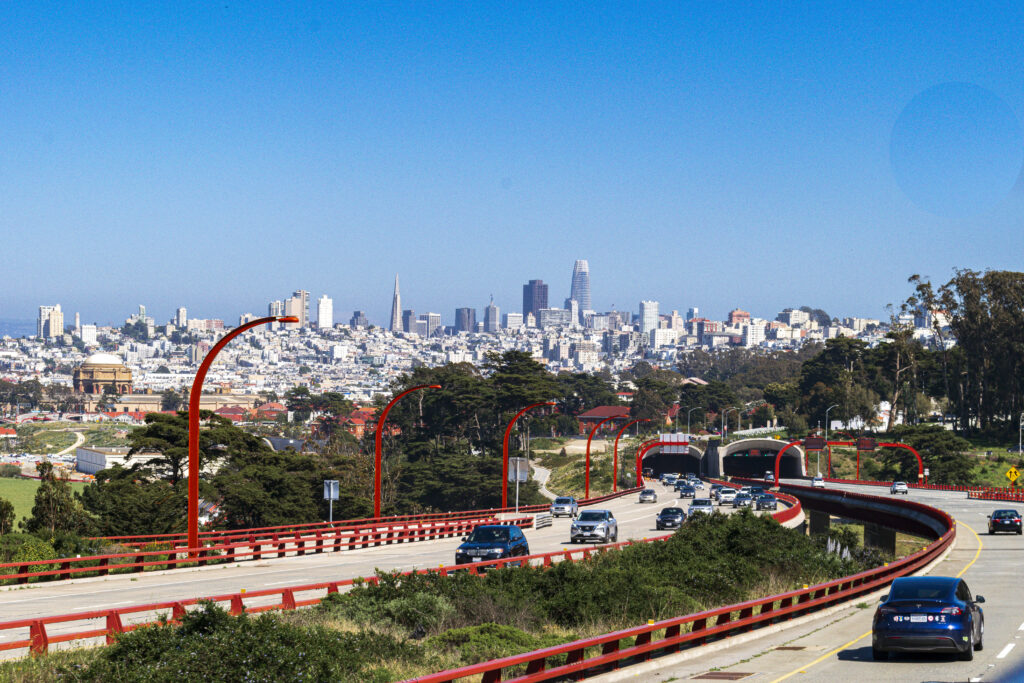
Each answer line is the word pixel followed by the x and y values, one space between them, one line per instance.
pixel 1005 651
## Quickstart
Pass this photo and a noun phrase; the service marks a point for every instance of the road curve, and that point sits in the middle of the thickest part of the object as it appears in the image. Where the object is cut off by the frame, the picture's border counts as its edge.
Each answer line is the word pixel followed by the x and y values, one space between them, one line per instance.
pixel 837 647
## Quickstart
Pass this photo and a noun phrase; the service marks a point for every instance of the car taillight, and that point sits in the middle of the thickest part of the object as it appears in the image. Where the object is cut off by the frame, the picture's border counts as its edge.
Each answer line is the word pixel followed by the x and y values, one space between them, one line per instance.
pixel 955 611
pixel 887 611
pixel 1016 520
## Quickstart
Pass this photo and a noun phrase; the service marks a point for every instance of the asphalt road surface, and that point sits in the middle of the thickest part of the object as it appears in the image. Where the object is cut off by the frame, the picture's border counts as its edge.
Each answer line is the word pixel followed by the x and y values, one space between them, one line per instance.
pixel 837 648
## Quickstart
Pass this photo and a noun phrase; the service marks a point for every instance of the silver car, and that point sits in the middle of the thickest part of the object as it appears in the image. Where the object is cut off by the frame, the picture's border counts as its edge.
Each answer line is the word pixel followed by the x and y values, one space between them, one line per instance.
pixel 726 495
pixel 564 505
pixel 594 525
pixel 700 506
pixel 648 496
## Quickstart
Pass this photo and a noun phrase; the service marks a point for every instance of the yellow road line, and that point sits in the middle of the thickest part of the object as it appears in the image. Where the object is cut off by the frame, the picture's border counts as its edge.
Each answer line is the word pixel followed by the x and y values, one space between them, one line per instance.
pixel 804 668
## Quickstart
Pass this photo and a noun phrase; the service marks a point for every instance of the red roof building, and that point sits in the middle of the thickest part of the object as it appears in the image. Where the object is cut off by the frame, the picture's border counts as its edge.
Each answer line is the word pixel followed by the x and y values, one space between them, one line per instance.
pixel 593 416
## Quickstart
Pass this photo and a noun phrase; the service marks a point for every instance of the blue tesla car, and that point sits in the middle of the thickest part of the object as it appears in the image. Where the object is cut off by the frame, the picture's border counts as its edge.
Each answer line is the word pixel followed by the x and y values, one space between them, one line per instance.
pixel 928 614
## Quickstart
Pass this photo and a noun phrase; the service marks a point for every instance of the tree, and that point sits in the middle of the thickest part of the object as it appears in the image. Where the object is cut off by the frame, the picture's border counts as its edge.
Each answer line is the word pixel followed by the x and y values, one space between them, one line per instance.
pixel 125 502
pixel 170 400
pixel 6 516
pixel 55 508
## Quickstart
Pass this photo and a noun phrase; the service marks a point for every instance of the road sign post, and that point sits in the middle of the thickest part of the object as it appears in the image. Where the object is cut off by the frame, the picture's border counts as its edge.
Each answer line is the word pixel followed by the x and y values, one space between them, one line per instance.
pixel 1012 474
pixel 330 495
pixel 518 471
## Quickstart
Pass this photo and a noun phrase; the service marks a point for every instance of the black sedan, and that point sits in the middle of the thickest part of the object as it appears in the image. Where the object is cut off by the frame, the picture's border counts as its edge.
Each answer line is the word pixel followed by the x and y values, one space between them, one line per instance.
pixel 766 501
pixel 670 518
pixel 1004 520
pixel 686 491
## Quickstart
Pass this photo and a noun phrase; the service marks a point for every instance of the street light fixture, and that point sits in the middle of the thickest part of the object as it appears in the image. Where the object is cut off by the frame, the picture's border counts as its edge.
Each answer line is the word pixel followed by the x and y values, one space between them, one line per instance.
pixel 615 463
pixel 377 443
pixel 688 418
pixel 1020 430
pixel 508 432
pixel 818 465
pixel 193 423
pixel 725 422
pixel 586 485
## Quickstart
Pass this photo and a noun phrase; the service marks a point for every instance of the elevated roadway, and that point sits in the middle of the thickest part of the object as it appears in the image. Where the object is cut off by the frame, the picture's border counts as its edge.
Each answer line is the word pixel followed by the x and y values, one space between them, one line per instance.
pixel 836 646
pixel 635 520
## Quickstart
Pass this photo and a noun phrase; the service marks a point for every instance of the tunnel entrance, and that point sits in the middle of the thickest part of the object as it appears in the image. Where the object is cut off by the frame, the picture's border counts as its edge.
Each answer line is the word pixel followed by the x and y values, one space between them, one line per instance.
pixel 746 465
pixel 672 462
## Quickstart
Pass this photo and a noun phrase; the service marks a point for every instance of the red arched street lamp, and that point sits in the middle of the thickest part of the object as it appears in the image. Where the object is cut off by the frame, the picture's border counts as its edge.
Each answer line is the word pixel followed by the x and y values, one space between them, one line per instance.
pixel 508 432
pixel 615 462
pixel 377 448
pixel 641 451
pixel 193 423
pixel 586 486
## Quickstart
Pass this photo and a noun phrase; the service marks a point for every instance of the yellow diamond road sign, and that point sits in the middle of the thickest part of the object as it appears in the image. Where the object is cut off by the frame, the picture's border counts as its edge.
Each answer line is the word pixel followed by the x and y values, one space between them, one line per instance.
pixel 1012 474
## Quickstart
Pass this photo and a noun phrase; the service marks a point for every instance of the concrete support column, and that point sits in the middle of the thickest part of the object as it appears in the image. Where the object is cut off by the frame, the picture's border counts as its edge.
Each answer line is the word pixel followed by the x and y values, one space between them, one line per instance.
pixel 880 537
pixel 819 522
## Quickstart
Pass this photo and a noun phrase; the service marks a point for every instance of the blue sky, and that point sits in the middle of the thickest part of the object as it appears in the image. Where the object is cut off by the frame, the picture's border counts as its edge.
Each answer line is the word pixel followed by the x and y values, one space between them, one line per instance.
pixel 714 155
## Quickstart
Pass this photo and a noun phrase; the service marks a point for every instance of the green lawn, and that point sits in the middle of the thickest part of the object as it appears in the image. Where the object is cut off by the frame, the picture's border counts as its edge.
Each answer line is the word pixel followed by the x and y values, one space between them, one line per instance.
pixel 22 493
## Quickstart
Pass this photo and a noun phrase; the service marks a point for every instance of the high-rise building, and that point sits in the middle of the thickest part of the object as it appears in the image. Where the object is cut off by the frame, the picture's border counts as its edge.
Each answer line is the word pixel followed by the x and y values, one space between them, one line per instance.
pixel 409 320
pixel 513 321
pixel 274 308
pixel 433 321
pixel 465 319
pixel 492 323
pixel 293 307
pixel 181 318
pixel 573 307
pixel 396 309
pixel 89 335
pixel 325 312
pixel 358 319
pixel 738 317
pixel 78 324
pixel 535 297
pixel 302 307
pixel 50 323
pixel 648 316
pixel 554 317
pixel 692 313
pixel 580 291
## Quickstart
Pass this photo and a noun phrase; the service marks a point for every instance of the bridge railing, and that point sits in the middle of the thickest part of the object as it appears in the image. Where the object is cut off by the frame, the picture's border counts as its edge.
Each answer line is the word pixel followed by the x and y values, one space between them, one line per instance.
pixel 996 493
pixel 334 539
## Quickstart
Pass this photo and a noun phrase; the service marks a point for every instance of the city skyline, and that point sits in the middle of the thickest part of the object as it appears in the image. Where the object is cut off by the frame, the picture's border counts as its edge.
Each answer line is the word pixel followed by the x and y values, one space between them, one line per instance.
pixel 711 156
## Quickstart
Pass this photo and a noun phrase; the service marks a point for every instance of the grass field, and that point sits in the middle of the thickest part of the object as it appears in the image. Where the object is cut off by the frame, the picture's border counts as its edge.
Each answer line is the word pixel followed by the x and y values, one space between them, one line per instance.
pixel 22 493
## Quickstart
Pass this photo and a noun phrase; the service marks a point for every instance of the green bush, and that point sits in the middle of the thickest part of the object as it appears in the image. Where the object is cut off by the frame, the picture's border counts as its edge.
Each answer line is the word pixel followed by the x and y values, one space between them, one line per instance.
pixel 489 641
pixel 211 645
pixel 35 549
pixel 10 471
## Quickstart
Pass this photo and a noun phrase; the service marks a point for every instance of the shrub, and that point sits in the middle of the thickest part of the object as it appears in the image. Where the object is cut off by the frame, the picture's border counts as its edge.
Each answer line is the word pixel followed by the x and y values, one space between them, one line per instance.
pixel 35 549
pixel 10 471
pixel 490 641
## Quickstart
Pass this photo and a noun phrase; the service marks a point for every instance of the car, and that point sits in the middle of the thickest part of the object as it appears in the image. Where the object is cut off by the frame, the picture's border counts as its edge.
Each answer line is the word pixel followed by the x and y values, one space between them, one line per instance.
pixel 726 495
pixel 715 488
pixel 1004 520
pixel 492 542
pixel 766 501
pixel 818 483
pixel 744 489
pixel 686 491
pixel 670 479
pixel 769 476
pixel 928 614
pixel 899 487
pixel 697 484
pixel 700 506
pixel 670 518
pixel 742 500
pixel 594 525
pixel 564 505
pixel 648 496
pixel 755 491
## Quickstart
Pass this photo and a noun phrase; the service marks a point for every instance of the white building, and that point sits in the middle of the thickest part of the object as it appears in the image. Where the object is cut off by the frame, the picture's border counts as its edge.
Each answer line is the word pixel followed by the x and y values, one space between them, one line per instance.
pixel 324 312
pixel 648 316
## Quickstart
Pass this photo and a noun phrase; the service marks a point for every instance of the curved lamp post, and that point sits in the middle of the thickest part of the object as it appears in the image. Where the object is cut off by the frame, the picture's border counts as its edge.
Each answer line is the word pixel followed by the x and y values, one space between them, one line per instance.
pixel 377 443
pixel 725 422
pixel 688 418
pixel 615 462
pixel 641 451
pixel 193 423
pixel 508 432
pixel 818 466
pixel 586 485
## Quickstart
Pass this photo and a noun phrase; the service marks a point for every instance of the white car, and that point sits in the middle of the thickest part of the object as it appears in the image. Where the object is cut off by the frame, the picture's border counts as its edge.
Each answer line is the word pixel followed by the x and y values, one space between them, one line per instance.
pixel 726 495
pixel 697 484
pixel 700 506
pixel 818 483
pixel 899 487
pixel 564 505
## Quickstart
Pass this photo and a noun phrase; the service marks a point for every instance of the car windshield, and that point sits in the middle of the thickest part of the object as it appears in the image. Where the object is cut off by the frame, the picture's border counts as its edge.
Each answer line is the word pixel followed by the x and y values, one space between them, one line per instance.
pixel 488 535
pixel 592 516
pixel 1005 514
pixel 563 501
pixel 648 490
pixel 923 589
pixel 900 483
pixel 672 511
pixel 700 502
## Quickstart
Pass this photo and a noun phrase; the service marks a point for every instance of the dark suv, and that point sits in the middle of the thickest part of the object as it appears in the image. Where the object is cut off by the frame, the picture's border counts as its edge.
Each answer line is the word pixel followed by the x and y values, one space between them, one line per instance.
pixel 492 542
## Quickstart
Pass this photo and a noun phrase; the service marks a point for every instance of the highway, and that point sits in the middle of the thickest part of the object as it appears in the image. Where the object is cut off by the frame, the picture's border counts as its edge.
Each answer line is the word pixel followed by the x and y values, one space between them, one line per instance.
pixel 837 647
pixel 635 520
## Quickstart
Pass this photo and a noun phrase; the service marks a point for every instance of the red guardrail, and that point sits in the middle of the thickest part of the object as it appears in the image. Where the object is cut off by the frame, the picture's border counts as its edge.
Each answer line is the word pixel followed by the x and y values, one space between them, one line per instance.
pixel 928 487
pixel 992 493
pixel 117 620
pixel 300 543
pixel 218 535
pixel 602 653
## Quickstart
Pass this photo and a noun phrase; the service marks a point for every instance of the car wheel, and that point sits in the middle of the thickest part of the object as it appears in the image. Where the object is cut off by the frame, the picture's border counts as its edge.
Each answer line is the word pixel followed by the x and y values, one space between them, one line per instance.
pixel 990 532
pixel 879 655
pixel 980 645
pixel 967 655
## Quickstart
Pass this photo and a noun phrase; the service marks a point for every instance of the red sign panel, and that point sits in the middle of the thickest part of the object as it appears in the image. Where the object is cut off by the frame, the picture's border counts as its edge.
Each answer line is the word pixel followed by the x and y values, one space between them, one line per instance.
pixel 754 453
pixel 865 443
pixel 814 443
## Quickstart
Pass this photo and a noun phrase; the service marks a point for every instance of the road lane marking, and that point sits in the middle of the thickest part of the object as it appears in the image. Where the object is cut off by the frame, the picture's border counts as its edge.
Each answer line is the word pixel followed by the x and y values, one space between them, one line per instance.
pixel 803 669
pixel 1021 627
pixel 105 605
pixel 1005 651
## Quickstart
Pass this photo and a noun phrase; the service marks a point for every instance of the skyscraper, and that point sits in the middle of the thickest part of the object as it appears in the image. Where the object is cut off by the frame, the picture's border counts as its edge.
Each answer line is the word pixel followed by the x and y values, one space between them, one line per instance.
pixel 409 320
pixel 181 318
pixel 580 290
pixel 491 321
pixel 535 297
pixel 50 323
pixel 301 308
pixel 358 319
pixel 465 320
pixel 648 316
pixel 433 323
pixel 396 309
pixel 325 312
